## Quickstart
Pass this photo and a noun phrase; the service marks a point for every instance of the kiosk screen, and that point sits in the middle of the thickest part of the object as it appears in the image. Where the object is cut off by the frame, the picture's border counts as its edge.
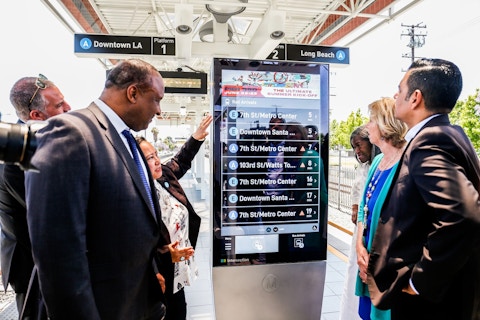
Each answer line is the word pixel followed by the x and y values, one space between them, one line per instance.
pixel 270 160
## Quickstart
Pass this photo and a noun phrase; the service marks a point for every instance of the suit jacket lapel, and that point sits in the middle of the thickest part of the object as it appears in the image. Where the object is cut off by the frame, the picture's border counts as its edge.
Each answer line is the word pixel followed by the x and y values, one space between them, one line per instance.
pixel 441 119
pixel 117 143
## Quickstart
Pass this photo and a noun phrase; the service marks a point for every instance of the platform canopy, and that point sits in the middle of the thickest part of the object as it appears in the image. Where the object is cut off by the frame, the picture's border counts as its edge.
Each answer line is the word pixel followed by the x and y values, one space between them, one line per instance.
pixel 244 29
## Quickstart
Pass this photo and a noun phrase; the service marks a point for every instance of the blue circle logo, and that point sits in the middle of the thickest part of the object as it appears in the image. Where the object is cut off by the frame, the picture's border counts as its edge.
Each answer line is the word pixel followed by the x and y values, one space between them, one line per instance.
pixel 233 131
pixel 233 165
pixel 85 43
pixel 233 182
pixel 233 215
pixel 233 198
pixel 341 55
pixel 233 148
pixel 233 114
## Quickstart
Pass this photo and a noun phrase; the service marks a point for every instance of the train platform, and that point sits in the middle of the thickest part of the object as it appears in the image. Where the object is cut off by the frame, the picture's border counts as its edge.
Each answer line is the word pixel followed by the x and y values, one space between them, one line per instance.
pixel 199 296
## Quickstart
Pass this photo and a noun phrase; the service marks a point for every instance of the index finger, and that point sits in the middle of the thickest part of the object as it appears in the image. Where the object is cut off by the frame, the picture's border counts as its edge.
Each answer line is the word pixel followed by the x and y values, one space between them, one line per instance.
pixel 207 120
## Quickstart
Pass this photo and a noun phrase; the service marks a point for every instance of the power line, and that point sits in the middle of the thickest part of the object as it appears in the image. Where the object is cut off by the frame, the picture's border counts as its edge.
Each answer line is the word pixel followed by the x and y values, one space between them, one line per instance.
pixel 417 38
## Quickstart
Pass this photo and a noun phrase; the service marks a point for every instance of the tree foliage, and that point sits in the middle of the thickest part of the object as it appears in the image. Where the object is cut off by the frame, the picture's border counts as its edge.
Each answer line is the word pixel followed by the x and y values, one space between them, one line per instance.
pixel 340 131
pixel 466 114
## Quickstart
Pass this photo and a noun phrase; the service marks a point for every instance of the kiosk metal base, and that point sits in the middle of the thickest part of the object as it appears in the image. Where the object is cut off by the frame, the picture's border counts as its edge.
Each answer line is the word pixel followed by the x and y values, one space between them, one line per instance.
pixel 272 291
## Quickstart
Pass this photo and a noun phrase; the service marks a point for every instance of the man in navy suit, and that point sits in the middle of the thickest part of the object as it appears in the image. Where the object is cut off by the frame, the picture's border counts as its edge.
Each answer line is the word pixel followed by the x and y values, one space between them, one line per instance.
pixel 425 257
pixel 94 232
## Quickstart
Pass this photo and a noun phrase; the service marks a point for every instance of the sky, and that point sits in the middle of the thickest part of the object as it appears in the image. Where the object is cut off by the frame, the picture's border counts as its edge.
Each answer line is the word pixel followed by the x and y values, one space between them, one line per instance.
pixel 376 63
pixel 34 41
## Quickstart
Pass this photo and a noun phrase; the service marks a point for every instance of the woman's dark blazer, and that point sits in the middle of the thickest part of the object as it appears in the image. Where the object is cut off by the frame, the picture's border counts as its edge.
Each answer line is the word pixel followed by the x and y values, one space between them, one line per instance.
pixel 174 170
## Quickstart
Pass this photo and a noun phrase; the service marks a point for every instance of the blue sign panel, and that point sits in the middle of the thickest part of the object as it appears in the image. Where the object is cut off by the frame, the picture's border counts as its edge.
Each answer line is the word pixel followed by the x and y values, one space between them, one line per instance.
pixel 310 53
pixel 114 44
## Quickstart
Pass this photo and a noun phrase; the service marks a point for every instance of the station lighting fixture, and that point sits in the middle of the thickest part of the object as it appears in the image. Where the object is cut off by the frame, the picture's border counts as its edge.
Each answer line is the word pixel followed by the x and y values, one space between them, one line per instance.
pixel 277 34
pixel 222 13
pixel 184 18
pixel 268 35
pixel 207 33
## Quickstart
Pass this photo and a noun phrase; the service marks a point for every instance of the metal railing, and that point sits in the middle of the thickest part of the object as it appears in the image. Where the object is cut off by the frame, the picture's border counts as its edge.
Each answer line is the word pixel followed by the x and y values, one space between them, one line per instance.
pixel 340 188
pixel 342 175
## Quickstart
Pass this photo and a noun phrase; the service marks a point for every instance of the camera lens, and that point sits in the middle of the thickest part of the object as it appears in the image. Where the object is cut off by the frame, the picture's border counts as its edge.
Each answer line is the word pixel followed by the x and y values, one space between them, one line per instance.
pixel 17 144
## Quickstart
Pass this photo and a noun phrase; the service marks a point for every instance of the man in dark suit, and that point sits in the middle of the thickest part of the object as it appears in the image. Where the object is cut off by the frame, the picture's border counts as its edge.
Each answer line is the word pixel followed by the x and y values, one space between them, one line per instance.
pixel 425 257
pixel 95 225
pixel 34 98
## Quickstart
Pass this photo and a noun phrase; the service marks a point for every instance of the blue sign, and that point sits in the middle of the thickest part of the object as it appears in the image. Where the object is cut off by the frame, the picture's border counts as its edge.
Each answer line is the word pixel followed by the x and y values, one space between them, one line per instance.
pixel 129 45
pixel 310 53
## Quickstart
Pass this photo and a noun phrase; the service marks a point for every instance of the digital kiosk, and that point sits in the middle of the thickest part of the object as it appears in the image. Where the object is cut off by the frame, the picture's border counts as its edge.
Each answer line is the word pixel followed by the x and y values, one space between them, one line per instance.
pixel 270 160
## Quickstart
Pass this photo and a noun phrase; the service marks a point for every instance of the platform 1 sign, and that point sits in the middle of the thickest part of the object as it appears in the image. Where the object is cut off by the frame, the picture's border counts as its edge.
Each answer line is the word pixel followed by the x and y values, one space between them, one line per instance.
pixel 310 53
pixel 123 45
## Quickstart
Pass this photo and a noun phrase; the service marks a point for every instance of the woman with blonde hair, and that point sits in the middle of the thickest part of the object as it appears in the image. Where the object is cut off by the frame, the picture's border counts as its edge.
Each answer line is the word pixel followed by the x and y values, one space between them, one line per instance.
pixel 388 133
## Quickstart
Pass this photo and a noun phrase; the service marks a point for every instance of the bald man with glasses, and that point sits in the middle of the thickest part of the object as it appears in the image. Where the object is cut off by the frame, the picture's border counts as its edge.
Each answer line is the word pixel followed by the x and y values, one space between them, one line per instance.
pixel 34 98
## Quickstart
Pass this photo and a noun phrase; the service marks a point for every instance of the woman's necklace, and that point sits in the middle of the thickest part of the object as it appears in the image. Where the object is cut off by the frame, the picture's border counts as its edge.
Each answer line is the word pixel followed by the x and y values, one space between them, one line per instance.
pixel 389 162
pixel 371 188
pixel 373 184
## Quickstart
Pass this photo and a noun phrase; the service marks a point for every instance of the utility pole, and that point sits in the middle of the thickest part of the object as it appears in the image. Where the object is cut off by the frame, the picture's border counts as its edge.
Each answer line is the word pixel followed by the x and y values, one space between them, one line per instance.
pixel 417 38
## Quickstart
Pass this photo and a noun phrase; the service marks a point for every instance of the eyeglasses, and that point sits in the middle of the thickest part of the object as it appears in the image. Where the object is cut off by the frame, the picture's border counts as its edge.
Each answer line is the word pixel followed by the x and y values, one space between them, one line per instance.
pixel 40 84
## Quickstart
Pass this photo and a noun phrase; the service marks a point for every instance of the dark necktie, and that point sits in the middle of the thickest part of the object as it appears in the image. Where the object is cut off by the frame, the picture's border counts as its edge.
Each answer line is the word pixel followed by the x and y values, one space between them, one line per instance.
pixel 134 149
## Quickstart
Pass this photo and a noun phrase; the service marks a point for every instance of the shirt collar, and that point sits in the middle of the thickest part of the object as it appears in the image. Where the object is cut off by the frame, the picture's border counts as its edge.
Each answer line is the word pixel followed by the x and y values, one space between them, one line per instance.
pixel 412 132
pixel 117 122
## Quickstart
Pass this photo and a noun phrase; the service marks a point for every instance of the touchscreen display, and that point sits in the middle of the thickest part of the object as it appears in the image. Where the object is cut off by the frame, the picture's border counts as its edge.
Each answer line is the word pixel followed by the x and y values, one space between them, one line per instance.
pixel 270 160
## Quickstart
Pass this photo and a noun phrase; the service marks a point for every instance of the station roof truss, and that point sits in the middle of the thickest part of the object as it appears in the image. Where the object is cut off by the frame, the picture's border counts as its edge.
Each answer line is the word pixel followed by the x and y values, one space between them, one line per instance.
pixel 309 22
pixel 245 35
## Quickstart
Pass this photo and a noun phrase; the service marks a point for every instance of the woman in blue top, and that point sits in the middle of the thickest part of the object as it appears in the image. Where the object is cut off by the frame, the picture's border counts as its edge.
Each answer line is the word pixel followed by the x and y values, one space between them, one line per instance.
pixel 388 133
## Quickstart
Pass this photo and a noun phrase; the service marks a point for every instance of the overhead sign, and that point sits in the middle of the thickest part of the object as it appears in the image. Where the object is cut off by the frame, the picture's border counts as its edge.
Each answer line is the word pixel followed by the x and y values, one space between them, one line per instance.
pixel 185 82
pixel 129 45
pixel 301 52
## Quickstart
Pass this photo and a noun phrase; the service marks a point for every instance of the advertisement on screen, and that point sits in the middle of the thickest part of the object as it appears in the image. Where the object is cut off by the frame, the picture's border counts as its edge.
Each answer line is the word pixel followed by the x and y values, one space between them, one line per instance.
pixel 270 161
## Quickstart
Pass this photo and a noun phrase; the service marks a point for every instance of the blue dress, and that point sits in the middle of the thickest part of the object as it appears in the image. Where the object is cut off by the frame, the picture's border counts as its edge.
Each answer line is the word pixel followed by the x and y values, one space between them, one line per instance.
pixel 375 192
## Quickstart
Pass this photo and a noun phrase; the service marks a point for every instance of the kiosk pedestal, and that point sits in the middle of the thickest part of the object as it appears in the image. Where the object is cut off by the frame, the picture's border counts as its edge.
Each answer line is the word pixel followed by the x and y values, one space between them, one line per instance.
pixel 276 291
